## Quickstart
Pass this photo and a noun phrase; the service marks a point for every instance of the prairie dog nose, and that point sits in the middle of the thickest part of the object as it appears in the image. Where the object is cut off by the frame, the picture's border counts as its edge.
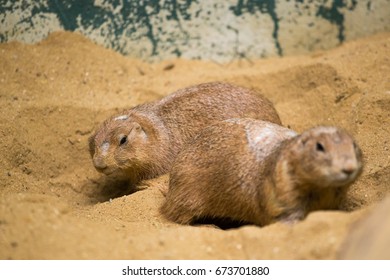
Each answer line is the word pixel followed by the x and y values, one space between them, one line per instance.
pixel 349 166
pixel 99 163
pixel 348 171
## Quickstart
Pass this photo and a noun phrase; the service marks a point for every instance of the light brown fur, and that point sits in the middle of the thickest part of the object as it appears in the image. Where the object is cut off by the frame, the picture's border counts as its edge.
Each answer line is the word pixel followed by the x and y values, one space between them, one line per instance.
pixel 153 133
pixel 258 172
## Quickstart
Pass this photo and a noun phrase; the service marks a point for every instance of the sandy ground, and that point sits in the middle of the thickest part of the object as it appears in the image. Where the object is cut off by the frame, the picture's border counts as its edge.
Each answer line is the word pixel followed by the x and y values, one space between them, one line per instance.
pixel 54 205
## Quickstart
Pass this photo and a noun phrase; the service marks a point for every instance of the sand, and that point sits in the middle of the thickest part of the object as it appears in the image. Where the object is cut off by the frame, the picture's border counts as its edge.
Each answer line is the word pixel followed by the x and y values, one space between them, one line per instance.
pixel 54 205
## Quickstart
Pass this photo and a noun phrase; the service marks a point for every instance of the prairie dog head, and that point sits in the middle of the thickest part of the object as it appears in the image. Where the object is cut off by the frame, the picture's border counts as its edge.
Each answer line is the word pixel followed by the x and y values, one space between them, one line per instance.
pixel 116 147
pixel 326 157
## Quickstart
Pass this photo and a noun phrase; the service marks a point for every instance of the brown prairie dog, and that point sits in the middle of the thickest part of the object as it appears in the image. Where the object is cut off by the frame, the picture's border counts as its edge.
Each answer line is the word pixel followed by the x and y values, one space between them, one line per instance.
pixel 257 172
pixel 142 142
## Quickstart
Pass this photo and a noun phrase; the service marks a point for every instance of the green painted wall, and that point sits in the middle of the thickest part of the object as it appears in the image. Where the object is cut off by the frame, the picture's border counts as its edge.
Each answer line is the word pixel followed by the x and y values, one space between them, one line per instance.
pixel 214 29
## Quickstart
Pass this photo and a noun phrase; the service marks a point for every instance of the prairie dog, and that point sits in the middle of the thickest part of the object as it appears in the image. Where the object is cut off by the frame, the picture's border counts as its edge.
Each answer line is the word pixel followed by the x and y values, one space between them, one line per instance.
pixel 142 142
pixel 258 172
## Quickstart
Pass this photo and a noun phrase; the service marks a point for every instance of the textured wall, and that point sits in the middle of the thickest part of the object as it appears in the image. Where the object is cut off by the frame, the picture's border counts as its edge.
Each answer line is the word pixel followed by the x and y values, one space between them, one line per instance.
pixel 212 29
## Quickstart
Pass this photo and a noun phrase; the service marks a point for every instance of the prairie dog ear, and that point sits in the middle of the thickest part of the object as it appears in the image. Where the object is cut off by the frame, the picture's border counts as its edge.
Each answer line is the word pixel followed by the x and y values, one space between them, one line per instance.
pixel 303 139
pixel 137 126
pixel 137 131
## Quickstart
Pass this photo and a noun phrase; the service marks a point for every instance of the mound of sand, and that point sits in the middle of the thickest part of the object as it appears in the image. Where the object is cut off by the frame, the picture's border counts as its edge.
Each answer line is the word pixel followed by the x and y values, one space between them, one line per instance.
pixel 54 205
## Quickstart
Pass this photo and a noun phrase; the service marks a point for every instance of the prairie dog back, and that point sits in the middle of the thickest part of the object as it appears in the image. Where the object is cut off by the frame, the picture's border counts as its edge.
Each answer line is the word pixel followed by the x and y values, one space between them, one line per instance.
pixel 202 105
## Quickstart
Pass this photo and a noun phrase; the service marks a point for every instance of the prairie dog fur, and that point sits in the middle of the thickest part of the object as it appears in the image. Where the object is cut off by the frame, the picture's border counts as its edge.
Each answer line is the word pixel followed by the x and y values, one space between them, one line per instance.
pixel 142 142
pixel 258 172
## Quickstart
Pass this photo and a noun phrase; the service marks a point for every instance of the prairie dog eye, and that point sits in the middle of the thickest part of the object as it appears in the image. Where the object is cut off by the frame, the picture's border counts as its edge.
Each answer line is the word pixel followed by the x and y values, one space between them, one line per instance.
pixel 320 147
pixel 122 140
